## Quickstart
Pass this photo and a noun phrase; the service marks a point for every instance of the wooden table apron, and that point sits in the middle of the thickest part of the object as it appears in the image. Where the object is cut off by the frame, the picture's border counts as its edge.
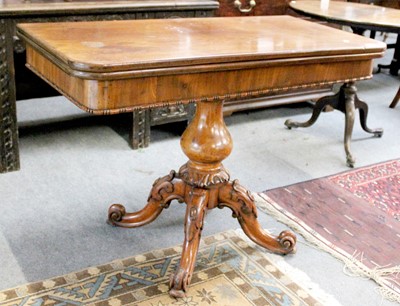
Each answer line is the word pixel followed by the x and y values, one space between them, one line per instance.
pixel 16 11
pixel 126 65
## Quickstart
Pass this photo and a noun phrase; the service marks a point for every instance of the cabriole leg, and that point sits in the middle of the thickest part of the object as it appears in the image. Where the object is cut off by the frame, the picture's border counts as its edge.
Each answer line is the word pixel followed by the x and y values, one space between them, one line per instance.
pixel 349 92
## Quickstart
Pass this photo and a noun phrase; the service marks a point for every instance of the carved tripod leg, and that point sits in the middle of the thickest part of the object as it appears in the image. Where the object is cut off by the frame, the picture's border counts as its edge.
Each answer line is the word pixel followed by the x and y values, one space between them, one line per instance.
pixel 363 109
pixel 196 200
pixel 318 107
pixel 241 202
pixel 164 190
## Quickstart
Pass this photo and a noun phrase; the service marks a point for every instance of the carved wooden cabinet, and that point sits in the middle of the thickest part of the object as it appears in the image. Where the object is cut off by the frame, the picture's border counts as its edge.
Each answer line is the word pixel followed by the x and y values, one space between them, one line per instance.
pixel 12 58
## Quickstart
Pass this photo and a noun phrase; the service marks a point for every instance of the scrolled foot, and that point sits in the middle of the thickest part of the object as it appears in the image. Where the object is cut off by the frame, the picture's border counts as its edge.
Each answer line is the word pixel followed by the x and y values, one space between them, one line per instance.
pixel 290 123
pixel 178 284
pixel 378 132
pixel 165 190
pixel 288 241
pixel 115 214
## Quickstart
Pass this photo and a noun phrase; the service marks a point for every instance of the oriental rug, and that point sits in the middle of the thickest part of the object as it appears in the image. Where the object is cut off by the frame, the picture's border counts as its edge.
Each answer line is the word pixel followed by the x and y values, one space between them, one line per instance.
pixel 230 270
pixel 354 215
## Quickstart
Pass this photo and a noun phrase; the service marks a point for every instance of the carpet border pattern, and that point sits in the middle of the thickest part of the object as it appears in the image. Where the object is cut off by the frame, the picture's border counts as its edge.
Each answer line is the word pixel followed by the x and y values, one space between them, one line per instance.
pixel 261 278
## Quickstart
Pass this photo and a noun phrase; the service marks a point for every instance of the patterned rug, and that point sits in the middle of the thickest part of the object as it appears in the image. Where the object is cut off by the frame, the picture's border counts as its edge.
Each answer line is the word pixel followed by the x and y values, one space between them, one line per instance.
pixel 230 270
pixel 354 215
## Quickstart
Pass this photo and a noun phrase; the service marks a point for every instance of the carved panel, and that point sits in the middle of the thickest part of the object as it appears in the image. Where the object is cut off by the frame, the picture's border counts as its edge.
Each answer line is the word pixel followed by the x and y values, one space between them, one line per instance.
pixel 9 156
pixel 140 136
pixel 163 115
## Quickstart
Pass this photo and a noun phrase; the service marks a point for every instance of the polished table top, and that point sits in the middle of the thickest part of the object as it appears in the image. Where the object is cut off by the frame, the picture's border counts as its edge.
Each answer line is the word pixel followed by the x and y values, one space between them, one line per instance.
pixel 356 13
pixel 142 44
pixel 165 61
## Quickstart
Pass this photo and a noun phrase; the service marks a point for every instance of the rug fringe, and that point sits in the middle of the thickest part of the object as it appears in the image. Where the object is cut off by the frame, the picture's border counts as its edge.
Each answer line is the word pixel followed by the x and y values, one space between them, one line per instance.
pixel 352 266
pixel 388 294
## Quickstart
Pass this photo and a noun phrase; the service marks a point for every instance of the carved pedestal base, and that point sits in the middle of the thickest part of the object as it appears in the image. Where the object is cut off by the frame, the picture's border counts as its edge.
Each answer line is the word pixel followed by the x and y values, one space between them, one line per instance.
pixel 199 200
pixel 346 101
pixel 203 184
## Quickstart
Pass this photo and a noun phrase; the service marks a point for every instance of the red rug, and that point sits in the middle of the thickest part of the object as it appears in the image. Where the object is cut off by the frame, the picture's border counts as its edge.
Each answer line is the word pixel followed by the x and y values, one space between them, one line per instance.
pixel 354 215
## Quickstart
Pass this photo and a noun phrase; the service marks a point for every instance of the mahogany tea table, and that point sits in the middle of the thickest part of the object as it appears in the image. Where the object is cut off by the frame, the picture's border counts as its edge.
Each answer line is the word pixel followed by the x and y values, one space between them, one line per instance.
pixel 119 66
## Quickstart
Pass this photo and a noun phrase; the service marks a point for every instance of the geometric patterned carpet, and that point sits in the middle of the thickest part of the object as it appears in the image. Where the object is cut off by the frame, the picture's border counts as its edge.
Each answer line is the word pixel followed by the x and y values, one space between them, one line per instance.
pixel 354 216
pixel 230 270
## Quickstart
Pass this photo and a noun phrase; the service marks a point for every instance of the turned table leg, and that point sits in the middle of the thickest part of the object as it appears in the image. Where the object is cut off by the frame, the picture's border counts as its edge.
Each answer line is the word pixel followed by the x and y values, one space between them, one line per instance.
pixel 202 183
pixel 347 102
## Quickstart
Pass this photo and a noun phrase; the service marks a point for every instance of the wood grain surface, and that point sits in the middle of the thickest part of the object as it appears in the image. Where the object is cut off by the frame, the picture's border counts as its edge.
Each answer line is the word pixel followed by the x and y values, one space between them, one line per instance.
pixel 137 44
